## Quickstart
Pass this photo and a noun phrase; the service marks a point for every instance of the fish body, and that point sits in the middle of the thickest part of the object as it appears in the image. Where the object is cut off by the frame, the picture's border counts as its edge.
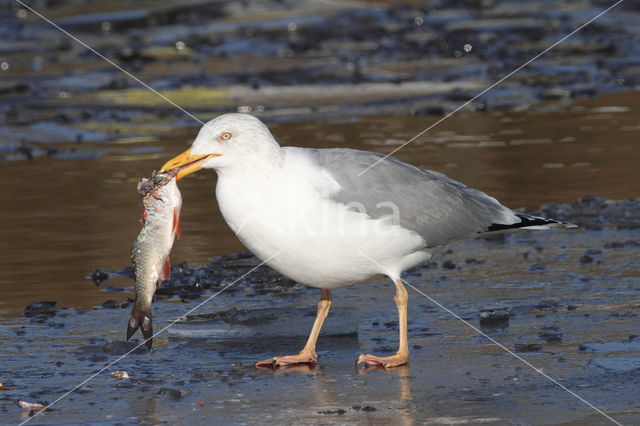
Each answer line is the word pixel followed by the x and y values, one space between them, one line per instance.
pixel 150 252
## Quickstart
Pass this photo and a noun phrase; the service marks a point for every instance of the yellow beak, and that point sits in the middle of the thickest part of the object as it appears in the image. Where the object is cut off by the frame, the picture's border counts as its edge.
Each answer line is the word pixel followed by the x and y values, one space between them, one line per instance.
pixel 186 163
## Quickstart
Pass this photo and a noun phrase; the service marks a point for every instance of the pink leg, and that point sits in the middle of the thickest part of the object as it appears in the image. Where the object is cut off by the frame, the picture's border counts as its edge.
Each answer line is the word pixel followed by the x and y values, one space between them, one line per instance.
pixel 402 356
pixel 308 354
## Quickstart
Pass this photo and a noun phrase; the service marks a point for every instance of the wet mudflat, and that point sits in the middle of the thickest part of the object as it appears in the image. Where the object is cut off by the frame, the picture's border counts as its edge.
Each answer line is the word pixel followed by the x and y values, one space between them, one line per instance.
pixel 77 135
pixel 569 295
pixel 289 61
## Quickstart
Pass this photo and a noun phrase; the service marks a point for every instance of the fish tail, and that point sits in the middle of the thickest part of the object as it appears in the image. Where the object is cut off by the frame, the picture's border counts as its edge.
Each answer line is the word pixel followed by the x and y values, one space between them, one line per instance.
pixel 143 321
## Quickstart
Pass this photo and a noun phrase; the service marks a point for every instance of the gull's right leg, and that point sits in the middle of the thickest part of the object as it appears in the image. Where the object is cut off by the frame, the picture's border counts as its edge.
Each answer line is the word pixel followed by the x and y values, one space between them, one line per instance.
pixel 308 354
pixel 402 356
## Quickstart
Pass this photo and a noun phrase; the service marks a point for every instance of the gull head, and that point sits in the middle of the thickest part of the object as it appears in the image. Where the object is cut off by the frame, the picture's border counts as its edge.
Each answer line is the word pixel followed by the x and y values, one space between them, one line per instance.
pixel 230 142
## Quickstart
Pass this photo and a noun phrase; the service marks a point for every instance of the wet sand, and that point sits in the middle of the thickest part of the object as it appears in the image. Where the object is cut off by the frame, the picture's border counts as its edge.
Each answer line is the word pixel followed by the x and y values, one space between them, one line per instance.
pixel 575 319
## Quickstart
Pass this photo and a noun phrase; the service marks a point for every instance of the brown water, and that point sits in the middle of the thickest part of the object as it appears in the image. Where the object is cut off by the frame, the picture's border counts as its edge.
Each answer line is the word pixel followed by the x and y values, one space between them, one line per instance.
pixel 63 218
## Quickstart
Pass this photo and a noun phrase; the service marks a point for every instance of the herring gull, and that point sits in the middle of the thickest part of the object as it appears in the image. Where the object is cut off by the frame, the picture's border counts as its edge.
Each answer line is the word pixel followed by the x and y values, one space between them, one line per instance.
pixel 311 214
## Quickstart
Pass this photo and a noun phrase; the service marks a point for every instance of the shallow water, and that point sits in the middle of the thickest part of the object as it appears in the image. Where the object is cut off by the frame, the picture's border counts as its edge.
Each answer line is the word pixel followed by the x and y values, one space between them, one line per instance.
pixel 561 310
pixel 67 217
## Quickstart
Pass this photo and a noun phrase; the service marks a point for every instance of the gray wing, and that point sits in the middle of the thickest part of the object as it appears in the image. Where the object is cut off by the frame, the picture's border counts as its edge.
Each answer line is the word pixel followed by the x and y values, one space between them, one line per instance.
pixel 436 207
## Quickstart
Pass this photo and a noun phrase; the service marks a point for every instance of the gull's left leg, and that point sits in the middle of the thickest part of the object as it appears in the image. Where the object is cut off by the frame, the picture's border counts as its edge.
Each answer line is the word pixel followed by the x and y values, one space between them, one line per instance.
pixel 308 354
pixel 402 356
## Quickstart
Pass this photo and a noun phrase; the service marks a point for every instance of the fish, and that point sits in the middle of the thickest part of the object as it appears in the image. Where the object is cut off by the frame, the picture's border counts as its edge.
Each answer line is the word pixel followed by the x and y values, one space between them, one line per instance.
pixel 161 202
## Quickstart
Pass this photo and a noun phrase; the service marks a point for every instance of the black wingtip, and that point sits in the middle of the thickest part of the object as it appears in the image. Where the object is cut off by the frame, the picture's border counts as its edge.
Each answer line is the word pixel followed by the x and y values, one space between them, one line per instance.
pixel 532 222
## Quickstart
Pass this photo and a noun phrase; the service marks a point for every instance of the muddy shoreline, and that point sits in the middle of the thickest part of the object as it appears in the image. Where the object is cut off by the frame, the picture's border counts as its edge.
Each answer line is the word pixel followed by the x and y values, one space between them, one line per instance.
pixel 76 135
pixel 563 299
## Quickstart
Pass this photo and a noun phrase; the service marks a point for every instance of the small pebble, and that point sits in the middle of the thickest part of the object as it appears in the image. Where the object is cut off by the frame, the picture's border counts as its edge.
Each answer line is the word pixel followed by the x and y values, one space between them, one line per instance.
pixel 111 304
pixel 366 408
pixel 339 412
pixel 447 264
pixel 173 393
pixel 494 313
pixel 40 309
pixel 120 374
pixel 31 406
pixel 528 347
pixel 586 259
pixel 550 334
pixel 547 304
pixel 537 267
pixel 98 276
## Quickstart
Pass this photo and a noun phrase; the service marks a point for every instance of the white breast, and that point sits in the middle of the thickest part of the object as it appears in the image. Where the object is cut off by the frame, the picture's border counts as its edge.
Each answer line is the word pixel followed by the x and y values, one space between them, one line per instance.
pixel 287 214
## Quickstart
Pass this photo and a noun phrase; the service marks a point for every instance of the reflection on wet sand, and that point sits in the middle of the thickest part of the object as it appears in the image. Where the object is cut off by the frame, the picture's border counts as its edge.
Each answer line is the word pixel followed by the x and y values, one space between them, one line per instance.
pixel 311 369
pixel 146 408
pixel 406 416
pixel 323 386
pixel 404 385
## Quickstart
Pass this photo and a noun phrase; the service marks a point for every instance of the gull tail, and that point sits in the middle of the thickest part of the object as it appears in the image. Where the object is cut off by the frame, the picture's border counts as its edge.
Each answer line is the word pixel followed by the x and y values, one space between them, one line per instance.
pixel 142 320
pixel 528 222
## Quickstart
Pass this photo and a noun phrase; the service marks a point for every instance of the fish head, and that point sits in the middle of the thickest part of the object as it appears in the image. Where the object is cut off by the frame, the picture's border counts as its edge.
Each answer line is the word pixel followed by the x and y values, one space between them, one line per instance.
pixel 152 190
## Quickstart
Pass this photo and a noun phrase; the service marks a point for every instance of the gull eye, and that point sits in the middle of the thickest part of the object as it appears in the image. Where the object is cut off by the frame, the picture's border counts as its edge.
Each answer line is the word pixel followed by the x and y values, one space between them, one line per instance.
pixel 225 136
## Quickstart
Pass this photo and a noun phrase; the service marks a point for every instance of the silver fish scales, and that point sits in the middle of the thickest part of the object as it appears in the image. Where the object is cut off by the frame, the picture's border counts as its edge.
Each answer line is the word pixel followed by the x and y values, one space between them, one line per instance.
pixel 150 252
